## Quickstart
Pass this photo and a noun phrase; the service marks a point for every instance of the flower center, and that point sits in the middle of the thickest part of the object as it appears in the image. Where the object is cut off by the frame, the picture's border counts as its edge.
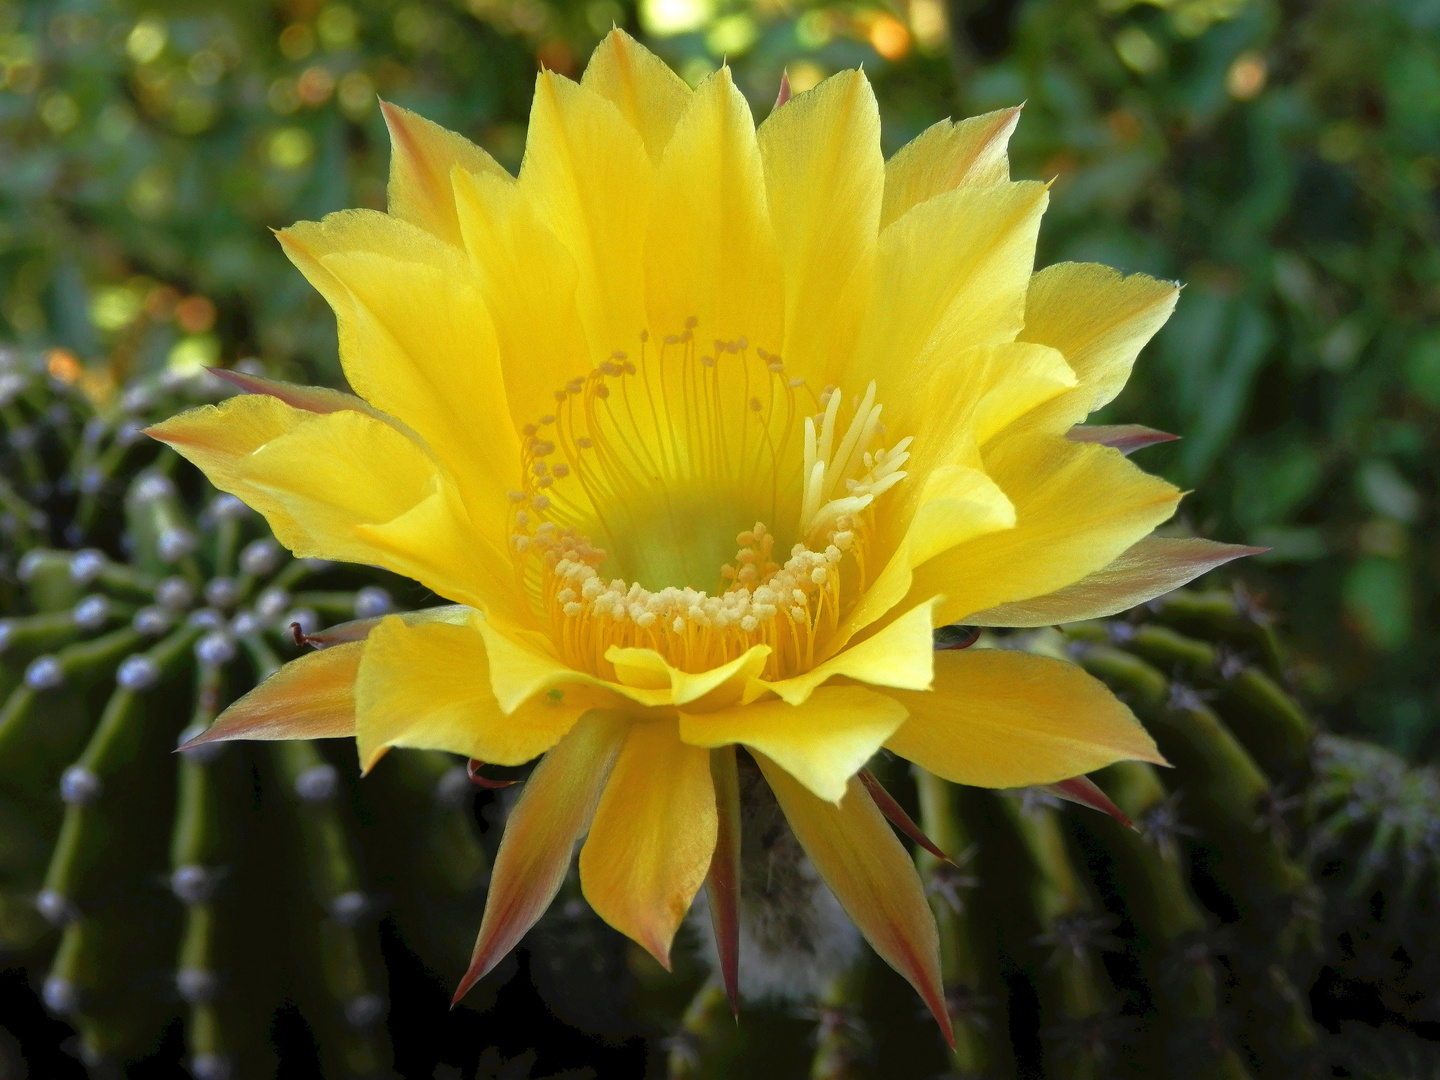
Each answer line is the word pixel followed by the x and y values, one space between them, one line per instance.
pixel 637 491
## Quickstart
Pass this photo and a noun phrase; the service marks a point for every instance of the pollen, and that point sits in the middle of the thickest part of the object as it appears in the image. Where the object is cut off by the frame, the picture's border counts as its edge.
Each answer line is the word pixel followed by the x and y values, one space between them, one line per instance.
pixel 646 511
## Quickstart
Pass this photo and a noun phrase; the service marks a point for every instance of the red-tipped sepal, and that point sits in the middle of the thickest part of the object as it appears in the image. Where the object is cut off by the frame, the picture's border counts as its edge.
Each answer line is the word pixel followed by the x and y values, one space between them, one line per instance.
pixel 898 817
pixel 873 877
pixel 316 399
pixel 1082 790
pixel 723 885
pixel 554 811
pixel 1127 438
pixel 312 697
pixel 784 95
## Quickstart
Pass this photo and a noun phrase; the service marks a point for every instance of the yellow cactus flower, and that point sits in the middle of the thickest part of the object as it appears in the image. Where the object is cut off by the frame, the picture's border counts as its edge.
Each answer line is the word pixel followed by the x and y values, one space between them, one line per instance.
pixel 703 429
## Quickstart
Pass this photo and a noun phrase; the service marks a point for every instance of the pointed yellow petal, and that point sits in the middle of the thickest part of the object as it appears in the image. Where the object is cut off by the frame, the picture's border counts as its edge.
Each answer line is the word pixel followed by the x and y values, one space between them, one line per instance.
pixel 587 174
pixel 1145 570
pixel 822 742
pixel 392 286
pixel 711 253
pixel 1100 319
pixel 528 280
pixel 307 242
pixel 422 155
pixel 555 809
pixel 650 96
pixel 900 655
pixel 969 290
pixel 1005 719
pixel 346 486
pixel 651 843
pixel 428 686
pixel 946 156
pixel 824 178
pixel 218 440
pixel 311 697
pixel 1077 507
pixel 431 361
pixel 873 877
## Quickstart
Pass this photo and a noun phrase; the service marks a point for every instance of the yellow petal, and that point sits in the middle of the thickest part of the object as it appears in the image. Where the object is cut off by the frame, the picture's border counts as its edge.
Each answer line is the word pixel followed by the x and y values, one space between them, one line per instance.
pixel 434 540
pixel 1077 507
pixel 379 274
pixel 873 877
pixel 650 845
pixel 824 178
pixel 1027 376
pixel 218 438
pixel 348 487
pixel 587 174
pixel 715 688
pixel 899 655
pixel 822 742
pixel 647 92
pixel 555 809
pixel 711 253
pixel 422 155
pixel 957 506
pixel 967 290
pixel 311 697
pixel 1004 719
pixel 528 280
pixel 522 667
pixel 650 96
pixel 431 360
pixel 1145 570
pixel 964 401
pixel 945 156
pixel 428 687
pixel 1100 319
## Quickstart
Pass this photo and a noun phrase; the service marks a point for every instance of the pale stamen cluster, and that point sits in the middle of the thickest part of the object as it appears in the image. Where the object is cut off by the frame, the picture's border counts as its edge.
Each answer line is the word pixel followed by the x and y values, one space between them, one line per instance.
pixel 821 507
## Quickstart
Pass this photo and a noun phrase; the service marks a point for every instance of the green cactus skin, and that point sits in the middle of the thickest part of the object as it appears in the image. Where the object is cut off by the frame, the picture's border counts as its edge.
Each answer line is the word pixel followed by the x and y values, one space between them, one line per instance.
pixel 135 603
pixel 1376 846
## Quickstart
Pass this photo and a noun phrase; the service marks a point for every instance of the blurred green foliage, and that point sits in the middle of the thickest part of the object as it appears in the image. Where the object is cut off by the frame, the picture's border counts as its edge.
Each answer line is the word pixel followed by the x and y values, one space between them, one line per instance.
pixel 1281 158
